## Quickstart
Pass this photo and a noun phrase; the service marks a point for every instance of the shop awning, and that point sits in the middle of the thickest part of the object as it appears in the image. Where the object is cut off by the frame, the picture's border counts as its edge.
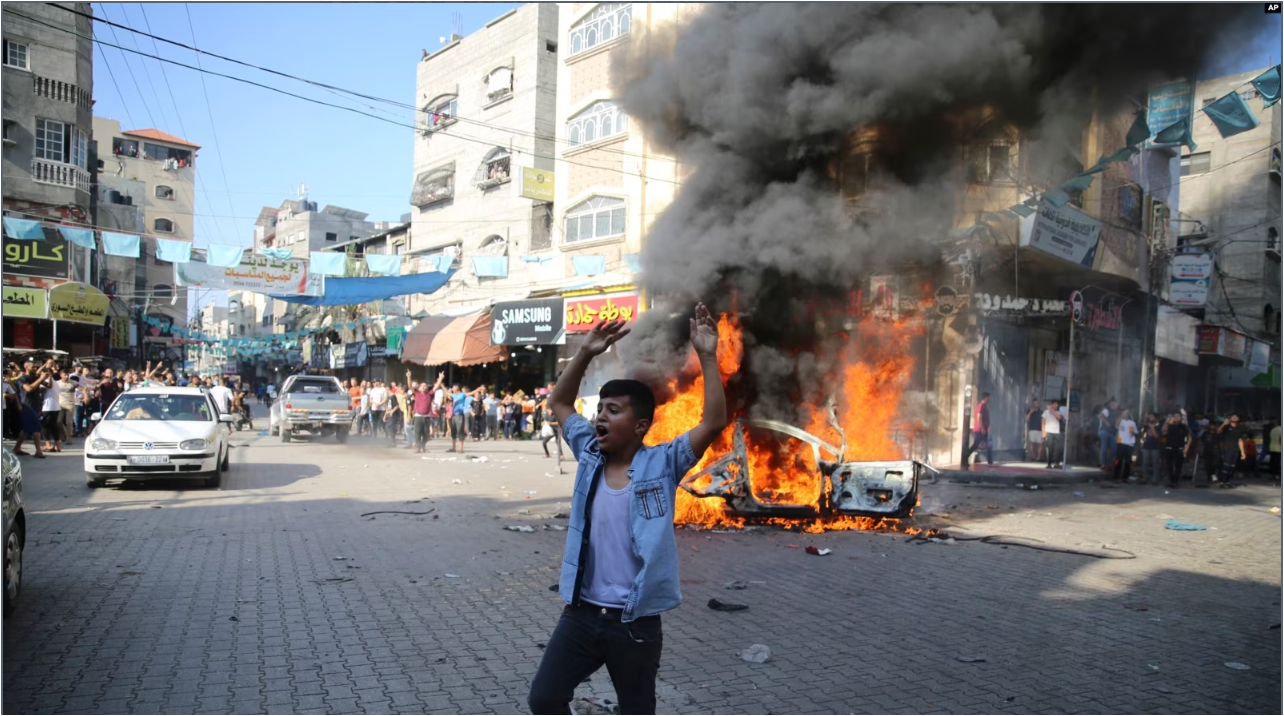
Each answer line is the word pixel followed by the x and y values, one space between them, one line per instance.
pixel 465 341
pixel 419 339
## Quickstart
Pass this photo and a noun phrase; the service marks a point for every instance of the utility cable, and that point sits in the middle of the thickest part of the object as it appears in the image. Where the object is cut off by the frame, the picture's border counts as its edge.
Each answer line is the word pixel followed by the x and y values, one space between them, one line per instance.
pixel 112 75
pixel 123 58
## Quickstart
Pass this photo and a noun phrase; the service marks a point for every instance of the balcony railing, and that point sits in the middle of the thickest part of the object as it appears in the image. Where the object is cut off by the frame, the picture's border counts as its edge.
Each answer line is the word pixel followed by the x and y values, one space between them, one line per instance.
pixel 44 171
pixel 61 91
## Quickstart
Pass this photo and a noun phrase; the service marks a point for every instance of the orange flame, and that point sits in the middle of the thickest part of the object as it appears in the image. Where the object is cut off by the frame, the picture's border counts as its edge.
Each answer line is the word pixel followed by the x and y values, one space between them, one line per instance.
pixel 872 371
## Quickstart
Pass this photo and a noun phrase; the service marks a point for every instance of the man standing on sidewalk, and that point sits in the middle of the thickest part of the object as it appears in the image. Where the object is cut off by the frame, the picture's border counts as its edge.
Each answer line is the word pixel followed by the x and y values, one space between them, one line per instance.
pixel 981 430
pixel 378 404
pixel 1051 433
pixel 1106 423
pixel 1033 431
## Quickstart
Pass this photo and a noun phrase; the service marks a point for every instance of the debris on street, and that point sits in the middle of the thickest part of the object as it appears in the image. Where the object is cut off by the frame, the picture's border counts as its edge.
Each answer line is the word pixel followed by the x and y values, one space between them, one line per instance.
pixel 1238 666
pixel 818 552
pixel 970 659
pixel 1184 526
pixel 719 606
pixel 756 654
pixel 736 584
pixel 519 528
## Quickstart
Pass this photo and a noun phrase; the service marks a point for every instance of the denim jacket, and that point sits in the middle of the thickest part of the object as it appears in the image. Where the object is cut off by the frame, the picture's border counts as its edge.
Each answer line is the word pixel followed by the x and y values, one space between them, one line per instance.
pixel 654 476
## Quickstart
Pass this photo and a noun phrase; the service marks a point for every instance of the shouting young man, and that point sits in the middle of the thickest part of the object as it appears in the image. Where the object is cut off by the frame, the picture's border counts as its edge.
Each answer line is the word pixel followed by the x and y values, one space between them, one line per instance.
pixel 620 569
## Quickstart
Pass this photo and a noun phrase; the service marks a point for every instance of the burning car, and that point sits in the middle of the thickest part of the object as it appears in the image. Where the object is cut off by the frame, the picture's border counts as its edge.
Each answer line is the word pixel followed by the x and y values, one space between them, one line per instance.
pixel 866 489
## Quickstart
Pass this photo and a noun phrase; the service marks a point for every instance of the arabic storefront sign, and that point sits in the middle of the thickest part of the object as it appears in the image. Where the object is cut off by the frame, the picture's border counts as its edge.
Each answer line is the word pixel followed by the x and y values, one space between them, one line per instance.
pixel 1176 336
pixel 349 355
pixel 24 334
pixel 1191 274
pixel 1222 341
pixel 994 304
pixel 45 257
pixel 20 302
pixel 78 302
pixel 522 323
pixel 120 332
pixel 378 351
pixel 1101 314
pixel 1063 232
pixel 260 274
pixel 1169 103
pixel 537 184
pixel 584 312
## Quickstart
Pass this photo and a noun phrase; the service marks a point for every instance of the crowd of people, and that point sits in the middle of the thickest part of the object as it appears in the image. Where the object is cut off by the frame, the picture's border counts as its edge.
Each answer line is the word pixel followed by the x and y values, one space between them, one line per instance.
pixel 51 404
pixel 417 413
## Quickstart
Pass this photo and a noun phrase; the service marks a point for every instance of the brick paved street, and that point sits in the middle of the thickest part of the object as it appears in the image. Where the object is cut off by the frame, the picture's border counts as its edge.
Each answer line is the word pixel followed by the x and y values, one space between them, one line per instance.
pixel 234 600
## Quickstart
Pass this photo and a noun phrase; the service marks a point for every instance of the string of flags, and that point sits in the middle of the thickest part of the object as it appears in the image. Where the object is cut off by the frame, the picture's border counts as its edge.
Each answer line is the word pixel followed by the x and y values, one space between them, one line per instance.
pixel 257 346
pixel 1230 114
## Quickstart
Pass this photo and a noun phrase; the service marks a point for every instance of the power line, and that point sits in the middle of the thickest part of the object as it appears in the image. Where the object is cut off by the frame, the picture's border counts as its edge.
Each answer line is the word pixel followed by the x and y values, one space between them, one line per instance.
pixel 336 90
pixel 112 75
pixel 335 106
pixel 179 115
pixel 123 58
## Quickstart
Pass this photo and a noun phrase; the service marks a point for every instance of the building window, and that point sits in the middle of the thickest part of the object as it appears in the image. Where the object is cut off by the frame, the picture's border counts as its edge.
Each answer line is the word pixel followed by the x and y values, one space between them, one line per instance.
pixel 124 147
pixel 434 186
pixel 989 163
pixel 173 158
pixel 599 217
pixel 605 23
pixel 164 225
pixel 493 245
pixel 499 84
pixel 16 55
pixel 331 236
pixel 603 119
pixel 441 113
pixel 494 169
pixel 1195 164
pixel 164 192
pixel 51 142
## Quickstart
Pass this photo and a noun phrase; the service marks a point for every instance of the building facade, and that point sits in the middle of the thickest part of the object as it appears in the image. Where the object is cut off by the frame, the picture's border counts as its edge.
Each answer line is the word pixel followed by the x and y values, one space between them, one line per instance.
pixel 300 227
pixel 48 85
pixel 484 159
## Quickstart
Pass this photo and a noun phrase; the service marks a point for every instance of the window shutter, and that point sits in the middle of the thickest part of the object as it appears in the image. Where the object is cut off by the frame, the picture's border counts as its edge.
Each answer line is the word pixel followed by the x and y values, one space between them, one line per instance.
pixel 68 136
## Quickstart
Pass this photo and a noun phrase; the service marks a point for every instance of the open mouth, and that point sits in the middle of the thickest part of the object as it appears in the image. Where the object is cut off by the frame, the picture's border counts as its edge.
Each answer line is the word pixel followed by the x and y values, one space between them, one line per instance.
pixel 601 431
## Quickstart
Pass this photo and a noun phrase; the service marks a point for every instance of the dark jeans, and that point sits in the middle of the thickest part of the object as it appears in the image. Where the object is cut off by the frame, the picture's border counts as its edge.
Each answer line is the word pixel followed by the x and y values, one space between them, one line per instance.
pixel 421 430
pixel 376 423
pixel 1175 461
pixel 587 637
pixel 492 426
pixel 556 436
pixel 977 439
pixel 1124 461
pixel 510 427
pixel 1052 448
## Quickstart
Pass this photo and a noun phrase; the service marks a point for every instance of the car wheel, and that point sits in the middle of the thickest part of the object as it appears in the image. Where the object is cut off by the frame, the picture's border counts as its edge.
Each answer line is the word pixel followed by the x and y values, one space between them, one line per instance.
pixel 341 435
pixel 227 461
pixel 12 569
pixel 285 436
pixel 215 479
pixel 95 481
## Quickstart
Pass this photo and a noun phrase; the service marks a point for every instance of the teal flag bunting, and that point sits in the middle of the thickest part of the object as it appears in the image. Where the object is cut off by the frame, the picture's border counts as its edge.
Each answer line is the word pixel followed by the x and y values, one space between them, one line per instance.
pixel 1139 131
pixel 1021 210
pixel 1177 133
pixel 25 229
pixel 328 263
pixel 1231 115
pixel 1267 84
pixel 388 264
pixel 79 237
pixel 278 254
pixel 1056 198
pixel 175 252
pixel 490 266
pixel 1079 183
pixel 224 256
pixel 588 265
pixel 121 244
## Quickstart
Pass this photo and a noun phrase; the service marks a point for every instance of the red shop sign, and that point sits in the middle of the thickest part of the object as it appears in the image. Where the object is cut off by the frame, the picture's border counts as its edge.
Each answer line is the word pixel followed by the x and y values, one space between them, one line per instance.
pixel 584 313
pixel 24 334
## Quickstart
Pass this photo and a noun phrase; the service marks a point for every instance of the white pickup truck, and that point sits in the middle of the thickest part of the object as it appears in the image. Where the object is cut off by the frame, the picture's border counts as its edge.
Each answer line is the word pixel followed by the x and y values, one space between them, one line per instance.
pixel 316 403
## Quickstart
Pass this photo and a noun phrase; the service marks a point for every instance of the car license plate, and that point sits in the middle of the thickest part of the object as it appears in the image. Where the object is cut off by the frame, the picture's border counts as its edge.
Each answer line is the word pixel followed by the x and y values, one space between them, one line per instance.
pixel 148 459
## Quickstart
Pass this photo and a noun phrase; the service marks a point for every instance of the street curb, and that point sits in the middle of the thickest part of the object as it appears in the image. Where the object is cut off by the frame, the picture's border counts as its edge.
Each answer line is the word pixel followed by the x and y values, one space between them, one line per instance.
pixel 1054 477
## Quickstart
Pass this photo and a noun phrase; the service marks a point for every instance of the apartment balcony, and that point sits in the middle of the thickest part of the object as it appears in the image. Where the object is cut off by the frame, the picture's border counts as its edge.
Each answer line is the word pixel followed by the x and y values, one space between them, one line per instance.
pixel 44 171
pixel 62 92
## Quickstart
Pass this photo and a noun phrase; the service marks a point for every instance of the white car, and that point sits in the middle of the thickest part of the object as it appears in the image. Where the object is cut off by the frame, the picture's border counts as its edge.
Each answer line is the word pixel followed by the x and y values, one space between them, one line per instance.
pixel 162 432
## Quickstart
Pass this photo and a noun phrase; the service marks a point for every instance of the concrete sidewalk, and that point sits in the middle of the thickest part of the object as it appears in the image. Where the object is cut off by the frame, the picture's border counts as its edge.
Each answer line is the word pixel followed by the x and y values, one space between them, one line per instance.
pixel 1026 473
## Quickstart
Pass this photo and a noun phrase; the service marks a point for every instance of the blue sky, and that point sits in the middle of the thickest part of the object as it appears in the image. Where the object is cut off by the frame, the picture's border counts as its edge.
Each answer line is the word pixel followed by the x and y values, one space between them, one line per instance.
pixel 270 143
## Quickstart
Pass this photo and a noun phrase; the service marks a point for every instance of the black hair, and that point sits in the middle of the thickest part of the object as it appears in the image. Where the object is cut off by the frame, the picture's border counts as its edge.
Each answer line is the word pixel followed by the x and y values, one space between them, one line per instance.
pixel 641 399
pixel 984 396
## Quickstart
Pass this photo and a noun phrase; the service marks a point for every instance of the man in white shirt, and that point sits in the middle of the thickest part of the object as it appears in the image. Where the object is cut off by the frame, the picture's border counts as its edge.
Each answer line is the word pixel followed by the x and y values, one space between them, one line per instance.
pixel 1127 439
pixel 51 418
pixel 1051 432
pixel 378 404
pixel 438 405
pixel 222 396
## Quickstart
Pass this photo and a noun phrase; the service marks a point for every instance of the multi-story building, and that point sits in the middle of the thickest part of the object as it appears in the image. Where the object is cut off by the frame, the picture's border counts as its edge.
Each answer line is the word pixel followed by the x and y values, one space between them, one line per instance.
pixel 301 228
pixel 1230 196
pixel 155 171
pixel 48 87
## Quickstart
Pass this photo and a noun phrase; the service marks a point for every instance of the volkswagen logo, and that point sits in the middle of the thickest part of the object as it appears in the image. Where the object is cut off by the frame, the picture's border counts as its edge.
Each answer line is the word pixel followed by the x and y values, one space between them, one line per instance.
pixel 147 446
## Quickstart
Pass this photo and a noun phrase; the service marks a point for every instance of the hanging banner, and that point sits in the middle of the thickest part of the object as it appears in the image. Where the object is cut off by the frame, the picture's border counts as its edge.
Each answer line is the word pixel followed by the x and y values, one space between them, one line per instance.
pixel 1063 232
pixel 537 322
pixel 584 312
pixel 24 334
pixel 45 257
pixel 885 300
pixel 396 337
pixel 537 184
pixel 79 303
pixel 1169 103
pixel 120 332
pixel 1191 274
pixel 348 355
pixel 20 302
pixel 258 273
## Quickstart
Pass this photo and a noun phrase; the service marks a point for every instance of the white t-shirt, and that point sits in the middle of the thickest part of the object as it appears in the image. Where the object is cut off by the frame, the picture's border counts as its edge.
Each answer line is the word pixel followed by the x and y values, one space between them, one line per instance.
pixel 378 398
pixel 222 396
pixel 51 397
pixel 1127 432
pixel 438 397
pixel 1051 422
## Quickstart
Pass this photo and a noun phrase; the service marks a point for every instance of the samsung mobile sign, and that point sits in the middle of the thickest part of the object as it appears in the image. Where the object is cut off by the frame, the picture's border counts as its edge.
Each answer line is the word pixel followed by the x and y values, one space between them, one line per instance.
pixel 517 323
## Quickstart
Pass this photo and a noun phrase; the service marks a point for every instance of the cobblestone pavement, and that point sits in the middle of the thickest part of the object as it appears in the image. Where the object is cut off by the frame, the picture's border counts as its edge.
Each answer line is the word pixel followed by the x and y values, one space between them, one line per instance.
pixel 274 595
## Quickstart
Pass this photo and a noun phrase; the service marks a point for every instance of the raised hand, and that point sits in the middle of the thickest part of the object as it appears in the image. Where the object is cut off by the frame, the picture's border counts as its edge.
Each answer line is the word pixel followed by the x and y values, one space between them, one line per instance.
pixel 603 336
pixel 704 332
